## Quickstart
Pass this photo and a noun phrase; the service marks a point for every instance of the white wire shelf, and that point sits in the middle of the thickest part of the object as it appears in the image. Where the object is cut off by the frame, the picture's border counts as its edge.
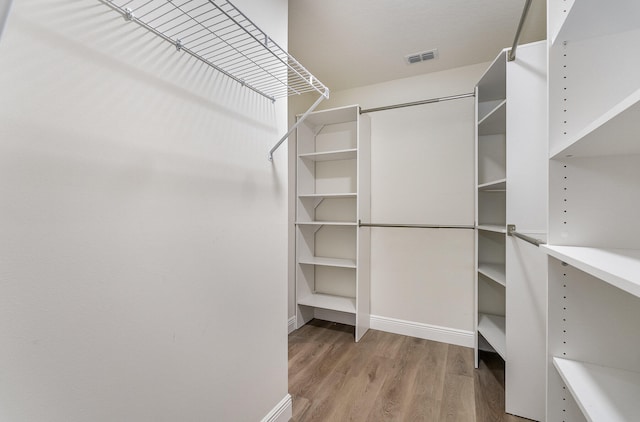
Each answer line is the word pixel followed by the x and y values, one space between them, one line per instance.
pixel 220 35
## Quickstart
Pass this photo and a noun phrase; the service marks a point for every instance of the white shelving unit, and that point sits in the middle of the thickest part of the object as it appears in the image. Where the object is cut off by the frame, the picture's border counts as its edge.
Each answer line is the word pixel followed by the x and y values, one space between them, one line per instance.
pixel 332 251
pixel 594 238
pixel 491 182
pixel 512 153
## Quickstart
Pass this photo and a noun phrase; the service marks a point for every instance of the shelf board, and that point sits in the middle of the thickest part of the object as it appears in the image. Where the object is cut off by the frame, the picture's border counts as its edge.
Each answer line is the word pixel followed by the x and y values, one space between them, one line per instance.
pixel 495 272
pixel 333 116
pixel 326 223
pixel 492 328
pixel 328 195
pixel 331 302
pixel 493 228
pixel 328 262
pixel 618 267
pixel 595 18
pixel 345 154
pixel 495 122
pixel 602 393
pixel 495 185
pixel 613 133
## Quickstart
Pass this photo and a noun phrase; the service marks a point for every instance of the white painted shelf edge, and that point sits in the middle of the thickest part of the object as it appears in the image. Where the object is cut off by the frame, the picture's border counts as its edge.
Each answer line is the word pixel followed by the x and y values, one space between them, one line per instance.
pixel 495 185
pixel 328 262
pixel 492 328
pixel 326 223
pixel 625 112
pixel 495 272
pixel 345 154
pixel 618 267
pixel 593 18
pixel 492 228
pixel 328 195
pixel 330 302
pixel 603 394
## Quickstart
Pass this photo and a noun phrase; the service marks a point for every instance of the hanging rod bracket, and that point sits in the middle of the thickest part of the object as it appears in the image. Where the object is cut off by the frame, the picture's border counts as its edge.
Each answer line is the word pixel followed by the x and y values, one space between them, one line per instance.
pixel 178 45
pixel 324 95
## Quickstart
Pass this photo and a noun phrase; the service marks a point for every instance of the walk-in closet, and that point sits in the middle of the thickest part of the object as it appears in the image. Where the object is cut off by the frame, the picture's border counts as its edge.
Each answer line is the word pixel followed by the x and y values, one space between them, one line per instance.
pixel 307 211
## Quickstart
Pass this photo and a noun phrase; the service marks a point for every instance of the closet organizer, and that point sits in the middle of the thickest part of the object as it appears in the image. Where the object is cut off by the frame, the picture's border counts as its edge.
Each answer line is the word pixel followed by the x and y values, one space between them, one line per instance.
pixel 220 35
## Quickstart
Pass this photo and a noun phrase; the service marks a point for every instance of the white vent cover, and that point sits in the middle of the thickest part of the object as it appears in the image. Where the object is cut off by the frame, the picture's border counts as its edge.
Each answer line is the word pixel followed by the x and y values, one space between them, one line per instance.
pixel 422 56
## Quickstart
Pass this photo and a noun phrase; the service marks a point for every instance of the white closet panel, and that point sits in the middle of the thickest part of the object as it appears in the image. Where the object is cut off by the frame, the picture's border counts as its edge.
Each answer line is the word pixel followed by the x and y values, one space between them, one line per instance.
pixel 423 164
pixel 423 275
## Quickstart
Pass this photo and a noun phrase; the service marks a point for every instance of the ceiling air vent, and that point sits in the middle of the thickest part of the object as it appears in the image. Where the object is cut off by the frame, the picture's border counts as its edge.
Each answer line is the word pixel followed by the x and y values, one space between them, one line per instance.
pixel 422 56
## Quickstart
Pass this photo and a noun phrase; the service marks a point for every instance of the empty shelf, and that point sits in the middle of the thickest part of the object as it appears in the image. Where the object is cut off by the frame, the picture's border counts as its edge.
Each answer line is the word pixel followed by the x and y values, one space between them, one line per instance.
pixel 220 35
pixel 328 262
pixel 346 154
pixel 495 185
pixel 603 394
pixel 492 328
pixel 495 272
pixel 330 302
pixel 618 267
pixel 328 195
pixel 594 18
pixel 613 133
pixel 495 122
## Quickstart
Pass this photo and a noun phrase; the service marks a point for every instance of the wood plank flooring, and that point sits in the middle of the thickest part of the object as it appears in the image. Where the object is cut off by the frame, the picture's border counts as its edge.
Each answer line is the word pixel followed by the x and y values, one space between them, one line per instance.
pixel 389 377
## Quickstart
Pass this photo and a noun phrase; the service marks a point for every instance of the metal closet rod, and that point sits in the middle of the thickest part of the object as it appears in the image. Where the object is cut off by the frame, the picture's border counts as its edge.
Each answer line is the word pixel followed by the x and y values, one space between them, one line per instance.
pixel 417 103
pixel 511 231
pixel 512 53
pixel 416 226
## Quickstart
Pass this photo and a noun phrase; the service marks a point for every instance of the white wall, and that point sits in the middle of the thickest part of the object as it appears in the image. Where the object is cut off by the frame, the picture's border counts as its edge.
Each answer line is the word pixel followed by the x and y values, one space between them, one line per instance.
pixel 143 230
pixel 422 173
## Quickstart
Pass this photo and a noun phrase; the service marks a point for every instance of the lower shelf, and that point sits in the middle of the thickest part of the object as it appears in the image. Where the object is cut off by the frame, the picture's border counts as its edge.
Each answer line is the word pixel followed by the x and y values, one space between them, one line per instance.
pixel 602 393
pixel 330 302
pixel 492 328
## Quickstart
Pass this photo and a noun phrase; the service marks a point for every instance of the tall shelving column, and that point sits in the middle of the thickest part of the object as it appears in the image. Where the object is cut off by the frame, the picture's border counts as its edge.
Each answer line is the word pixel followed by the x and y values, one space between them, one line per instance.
pixel 333 195
pixel 594 239
pixel 491 173
pixel 511 188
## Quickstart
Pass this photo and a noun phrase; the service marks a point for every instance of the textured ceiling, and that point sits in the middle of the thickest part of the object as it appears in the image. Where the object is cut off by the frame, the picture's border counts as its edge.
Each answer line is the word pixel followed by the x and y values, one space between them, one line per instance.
pixel 351 43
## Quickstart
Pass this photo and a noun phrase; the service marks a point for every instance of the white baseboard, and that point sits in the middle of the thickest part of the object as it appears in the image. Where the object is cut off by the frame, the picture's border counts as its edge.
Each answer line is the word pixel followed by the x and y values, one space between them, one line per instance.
pixel 291 326
pixel 425 331
pixel 282 412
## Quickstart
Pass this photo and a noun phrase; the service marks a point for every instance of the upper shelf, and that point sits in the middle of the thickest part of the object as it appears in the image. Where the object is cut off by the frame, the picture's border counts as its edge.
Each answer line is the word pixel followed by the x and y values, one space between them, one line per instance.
pixel 495 185
pixel 218 34
pixel 495 122
pixel 618 267
pixel 594 18
pixel 346 154
pixel 613 133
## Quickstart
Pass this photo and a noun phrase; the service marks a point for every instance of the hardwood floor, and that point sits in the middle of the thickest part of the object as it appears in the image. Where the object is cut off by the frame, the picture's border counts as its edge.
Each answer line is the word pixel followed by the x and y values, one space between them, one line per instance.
pixel 389 377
